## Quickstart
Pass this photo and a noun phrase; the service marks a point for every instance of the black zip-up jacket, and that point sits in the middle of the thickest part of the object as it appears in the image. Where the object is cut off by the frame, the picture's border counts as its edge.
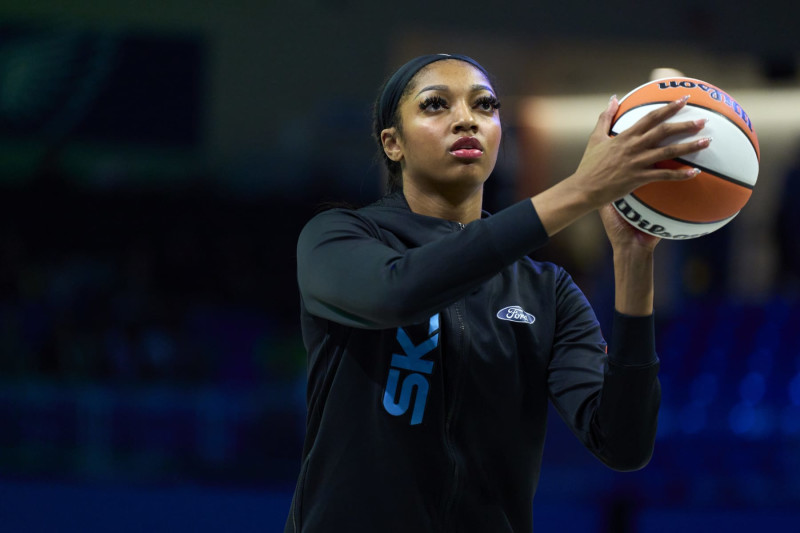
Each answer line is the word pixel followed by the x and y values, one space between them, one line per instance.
pixel 433 349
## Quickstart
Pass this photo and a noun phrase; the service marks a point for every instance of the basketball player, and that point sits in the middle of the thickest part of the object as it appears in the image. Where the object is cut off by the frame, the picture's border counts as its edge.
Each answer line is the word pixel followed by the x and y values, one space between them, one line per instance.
pixel 434 344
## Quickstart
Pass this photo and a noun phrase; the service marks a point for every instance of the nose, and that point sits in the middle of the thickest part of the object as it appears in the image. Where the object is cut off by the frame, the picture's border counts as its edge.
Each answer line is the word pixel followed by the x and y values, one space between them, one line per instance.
pixel 464 119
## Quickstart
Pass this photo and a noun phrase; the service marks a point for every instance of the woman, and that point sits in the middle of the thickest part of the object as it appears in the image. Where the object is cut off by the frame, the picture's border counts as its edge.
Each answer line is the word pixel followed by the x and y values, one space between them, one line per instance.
pixel 434 343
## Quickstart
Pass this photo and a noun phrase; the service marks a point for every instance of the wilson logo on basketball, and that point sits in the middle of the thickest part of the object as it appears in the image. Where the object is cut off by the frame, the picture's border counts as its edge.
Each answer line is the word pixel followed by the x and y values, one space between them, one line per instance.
pixel 514 313
pixel 713 92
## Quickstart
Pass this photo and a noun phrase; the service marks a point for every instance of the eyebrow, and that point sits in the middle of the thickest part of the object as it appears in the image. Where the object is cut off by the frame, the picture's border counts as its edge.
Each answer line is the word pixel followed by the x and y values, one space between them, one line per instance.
pixel 474 88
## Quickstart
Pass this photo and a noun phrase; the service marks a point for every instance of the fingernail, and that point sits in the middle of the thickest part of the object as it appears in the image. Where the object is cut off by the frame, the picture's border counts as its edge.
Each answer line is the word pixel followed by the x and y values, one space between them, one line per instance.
pixel 705 141
pixel 613 97
pixel 682 99
pixel 701 122
pixel 693 172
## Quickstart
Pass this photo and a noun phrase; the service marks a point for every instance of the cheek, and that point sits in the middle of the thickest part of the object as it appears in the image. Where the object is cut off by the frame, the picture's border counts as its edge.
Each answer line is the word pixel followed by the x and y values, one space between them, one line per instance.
pixel 425 139
pixel 495 133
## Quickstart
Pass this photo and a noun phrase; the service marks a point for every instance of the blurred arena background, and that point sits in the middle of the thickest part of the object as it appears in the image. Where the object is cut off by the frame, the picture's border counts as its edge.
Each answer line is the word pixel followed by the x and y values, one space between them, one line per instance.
pixel 157 161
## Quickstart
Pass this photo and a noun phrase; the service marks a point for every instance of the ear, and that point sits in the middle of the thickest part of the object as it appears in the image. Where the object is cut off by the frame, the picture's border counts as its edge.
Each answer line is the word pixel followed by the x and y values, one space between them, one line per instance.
pixel 392 145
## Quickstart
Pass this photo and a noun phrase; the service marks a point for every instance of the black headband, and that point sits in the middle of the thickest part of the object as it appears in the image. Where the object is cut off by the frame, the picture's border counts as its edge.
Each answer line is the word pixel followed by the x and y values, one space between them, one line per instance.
pixel 394 88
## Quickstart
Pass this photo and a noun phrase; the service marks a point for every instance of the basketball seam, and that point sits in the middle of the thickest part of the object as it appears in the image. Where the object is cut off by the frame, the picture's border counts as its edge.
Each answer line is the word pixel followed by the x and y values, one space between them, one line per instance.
pixel 726 117
pixel 715 174
pixel 723 115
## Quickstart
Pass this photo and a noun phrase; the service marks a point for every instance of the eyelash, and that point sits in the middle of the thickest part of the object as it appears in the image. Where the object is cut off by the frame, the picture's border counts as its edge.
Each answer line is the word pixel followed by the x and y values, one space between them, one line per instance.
pixel 432 100
pixel 491 101
pixel 487 100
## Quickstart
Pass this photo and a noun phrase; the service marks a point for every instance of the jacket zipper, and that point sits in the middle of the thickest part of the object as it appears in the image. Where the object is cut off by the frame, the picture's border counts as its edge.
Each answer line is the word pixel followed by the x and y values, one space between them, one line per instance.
pixel 459 344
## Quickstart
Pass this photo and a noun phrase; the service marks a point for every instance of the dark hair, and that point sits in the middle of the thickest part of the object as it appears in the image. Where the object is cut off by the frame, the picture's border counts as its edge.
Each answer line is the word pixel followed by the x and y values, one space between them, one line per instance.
pixel 394 181
pixel 385 109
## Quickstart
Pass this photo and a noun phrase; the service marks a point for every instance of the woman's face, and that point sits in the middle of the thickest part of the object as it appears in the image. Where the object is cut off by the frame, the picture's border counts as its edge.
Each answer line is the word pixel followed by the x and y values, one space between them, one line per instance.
pixel 450 127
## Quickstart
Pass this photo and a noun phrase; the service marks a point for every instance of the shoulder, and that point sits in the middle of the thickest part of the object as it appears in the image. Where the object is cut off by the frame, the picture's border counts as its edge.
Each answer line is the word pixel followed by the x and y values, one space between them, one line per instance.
pixel 366 217
pixel 344 222
pixel 334 221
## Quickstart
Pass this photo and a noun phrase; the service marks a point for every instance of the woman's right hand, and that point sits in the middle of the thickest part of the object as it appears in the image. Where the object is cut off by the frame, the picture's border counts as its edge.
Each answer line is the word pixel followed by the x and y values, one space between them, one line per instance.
pixel 612 167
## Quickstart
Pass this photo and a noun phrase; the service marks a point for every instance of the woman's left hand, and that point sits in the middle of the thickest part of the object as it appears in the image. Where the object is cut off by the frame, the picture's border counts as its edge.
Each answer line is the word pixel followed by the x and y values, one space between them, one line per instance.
pixel 624 236
pixel 633 264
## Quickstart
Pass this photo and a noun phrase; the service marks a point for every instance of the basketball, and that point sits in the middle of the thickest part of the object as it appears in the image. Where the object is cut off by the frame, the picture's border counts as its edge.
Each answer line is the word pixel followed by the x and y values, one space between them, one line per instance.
pixel 728 167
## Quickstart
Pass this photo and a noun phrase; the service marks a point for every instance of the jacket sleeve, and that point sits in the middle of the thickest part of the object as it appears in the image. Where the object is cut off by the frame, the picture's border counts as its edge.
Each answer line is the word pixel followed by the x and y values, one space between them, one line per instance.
pixel 610 401
pixel 348 275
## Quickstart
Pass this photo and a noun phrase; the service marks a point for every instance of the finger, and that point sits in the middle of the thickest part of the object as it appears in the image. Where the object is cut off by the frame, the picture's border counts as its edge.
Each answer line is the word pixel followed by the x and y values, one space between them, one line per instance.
pixel 667 174
pixel 656 117
pixel 665 72
pixel 671 151
pixel 666 130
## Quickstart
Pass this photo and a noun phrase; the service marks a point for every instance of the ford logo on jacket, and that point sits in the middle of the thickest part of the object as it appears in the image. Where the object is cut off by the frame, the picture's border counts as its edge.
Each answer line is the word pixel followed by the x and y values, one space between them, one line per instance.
pixel 514 313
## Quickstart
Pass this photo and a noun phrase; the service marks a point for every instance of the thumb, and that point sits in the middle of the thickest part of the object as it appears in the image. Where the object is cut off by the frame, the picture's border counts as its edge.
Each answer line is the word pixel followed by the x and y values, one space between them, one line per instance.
pixel 606 117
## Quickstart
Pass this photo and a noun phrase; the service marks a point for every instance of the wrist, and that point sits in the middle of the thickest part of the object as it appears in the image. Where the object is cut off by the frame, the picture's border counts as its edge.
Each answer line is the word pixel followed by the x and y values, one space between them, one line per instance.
pixel 633 278
pixel 561 205
pixel 632 253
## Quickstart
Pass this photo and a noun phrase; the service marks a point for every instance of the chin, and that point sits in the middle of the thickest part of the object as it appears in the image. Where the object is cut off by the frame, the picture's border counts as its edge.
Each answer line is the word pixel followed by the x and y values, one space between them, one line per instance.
pixel 465 184
pixel 472 173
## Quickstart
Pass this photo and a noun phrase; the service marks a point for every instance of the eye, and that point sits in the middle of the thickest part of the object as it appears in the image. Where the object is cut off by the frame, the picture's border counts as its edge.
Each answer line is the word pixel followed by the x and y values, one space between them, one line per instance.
pixel 433 103
pixel 487 103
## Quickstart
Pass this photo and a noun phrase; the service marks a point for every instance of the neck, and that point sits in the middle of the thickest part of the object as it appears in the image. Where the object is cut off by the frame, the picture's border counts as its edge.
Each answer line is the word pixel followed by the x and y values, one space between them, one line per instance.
pixel 457 205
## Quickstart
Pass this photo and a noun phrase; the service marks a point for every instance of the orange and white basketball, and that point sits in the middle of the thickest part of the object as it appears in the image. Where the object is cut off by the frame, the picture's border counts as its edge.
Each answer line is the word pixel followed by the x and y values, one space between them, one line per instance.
pixel 729 166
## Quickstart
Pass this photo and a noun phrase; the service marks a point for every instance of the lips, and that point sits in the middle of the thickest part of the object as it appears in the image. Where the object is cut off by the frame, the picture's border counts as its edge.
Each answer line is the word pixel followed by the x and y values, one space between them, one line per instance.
pixel 466 143
pixel 467 148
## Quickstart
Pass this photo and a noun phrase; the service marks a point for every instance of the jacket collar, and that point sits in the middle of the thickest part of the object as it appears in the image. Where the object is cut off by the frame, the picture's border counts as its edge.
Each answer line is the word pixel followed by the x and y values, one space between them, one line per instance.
pixel 397 199
pixel 394 199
